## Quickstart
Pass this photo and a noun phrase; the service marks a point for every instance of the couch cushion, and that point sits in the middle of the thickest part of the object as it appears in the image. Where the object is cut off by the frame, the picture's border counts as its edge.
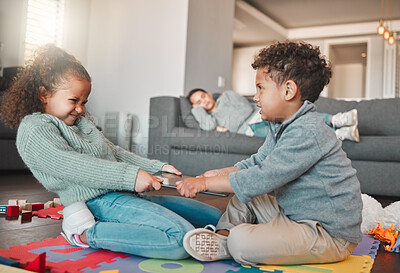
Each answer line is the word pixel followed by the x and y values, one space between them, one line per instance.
pixel 377 117
pixel 6 132
pixel 374 148
pixel 212 141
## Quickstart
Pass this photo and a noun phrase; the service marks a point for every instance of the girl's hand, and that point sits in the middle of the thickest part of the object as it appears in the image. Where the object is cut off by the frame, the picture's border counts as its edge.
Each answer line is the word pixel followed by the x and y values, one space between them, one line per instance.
pixel 217 172
pixel 189 187
pixel 170 169
pixel 147 182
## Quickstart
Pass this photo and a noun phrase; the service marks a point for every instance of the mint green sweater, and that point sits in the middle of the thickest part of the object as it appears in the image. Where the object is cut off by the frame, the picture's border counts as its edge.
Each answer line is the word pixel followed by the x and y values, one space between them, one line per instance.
pixel 77 162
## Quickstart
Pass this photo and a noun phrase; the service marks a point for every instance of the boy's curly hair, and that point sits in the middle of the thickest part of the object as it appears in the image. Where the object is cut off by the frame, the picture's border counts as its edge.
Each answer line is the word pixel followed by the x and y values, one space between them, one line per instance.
pixel 50 68
pixel 296 61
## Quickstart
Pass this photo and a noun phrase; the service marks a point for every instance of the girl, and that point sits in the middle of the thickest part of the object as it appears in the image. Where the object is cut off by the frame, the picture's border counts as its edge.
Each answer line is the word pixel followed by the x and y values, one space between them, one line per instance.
pixel 72 158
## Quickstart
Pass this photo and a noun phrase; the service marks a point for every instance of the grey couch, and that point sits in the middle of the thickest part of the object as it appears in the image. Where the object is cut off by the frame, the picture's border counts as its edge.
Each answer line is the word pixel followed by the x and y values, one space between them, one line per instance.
pixel 376 157
pixel 9 157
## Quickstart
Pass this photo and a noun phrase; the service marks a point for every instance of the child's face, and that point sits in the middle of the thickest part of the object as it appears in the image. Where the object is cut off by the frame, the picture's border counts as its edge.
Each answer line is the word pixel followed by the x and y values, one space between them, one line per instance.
pixel 68 102
pixel 270 97
pixel 202 99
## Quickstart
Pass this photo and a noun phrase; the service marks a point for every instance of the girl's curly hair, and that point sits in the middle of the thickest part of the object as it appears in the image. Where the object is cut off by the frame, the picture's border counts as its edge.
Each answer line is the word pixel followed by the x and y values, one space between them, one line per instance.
pixel 296 61
pixel 50 68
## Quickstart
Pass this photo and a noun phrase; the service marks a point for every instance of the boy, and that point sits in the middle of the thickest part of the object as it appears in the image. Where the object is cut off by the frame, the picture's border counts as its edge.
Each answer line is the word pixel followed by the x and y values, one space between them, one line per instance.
pixel 297 200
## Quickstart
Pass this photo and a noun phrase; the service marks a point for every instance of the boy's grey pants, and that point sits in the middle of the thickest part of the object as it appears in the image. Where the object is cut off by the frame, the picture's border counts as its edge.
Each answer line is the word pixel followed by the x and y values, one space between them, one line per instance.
pixel 260 233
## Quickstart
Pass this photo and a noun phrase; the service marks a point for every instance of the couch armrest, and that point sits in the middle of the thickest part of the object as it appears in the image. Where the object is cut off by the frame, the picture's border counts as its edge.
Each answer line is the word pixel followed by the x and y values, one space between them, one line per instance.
pixel 164 116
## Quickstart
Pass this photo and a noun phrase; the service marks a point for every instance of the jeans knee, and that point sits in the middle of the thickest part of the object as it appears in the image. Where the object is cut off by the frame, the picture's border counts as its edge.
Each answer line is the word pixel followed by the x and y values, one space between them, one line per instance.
pixel 178 254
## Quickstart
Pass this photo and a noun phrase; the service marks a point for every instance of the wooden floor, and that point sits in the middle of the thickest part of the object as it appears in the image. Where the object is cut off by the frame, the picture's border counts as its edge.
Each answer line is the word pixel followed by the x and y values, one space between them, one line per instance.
pixel 24 186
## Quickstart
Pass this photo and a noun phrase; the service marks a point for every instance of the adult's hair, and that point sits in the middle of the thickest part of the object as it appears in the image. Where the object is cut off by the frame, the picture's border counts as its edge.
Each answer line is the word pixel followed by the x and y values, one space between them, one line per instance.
pixel 194 91
pixel 51 68
pixel 296 61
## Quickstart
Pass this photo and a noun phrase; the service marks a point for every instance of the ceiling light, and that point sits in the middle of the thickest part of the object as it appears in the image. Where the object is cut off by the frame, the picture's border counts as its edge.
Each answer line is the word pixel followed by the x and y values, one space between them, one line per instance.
pixel 386 33
pixel 391 39
pixel 384 24
pixel 364 55
pixel 381 28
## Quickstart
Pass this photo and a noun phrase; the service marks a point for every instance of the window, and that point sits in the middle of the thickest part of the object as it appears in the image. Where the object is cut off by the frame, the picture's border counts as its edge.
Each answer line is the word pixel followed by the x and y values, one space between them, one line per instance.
pixel 44 24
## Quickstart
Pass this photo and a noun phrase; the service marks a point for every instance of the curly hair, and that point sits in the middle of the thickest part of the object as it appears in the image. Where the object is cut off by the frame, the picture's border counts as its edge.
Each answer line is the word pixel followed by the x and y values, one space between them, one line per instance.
pixel 50 68
pixel 296 61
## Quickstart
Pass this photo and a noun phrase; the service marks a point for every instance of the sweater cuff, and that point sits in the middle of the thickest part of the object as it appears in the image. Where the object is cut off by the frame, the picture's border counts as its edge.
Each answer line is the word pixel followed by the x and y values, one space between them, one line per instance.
pixel 130 178
pixel 158 165
pixel 233 181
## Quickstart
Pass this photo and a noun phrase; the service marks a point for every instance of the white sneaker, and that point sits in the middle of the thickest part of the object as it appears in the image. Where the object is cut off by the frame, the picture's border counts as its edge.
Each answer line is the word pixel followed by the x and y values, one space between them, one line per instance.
pixel 345 119
pixel 206 245
pixel 77 219
pixel 349 132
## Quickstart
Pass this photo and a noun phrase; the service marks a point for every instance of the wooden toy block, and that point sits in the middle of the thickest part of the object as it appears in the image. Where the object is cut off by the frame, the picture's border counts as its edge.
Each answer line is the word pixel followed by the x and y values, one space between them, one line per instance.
pixel 21 204
pixel 57 202
pixel 27 206
pixel 3 209
pixel 26 215
pixel 13 202
pixel 49 204
pixel 38 265
pixel 37 206
pixel 12 211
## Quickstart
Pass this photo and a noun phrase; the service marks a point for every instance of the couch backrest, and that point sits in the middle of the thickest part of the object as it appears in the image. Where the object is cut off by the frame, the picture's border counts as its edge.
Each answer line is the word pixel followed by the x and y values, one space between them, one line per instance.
pixel 376 117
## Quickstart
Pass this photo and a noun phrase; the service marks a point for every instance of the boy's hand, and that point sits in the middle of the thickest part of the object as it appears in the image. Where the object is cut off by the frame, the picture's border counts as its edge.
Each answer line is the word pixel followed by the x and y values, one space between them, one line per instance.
pixel 216 172
pixel 170 169
pixel 189 187
pixel 147 182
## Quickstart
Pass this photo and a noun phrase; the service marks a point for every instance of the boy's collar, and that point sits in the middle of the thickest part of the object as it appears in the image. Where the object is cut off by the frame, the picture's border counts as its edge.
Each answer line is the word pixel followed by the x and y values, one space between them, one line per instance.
pixel 307 106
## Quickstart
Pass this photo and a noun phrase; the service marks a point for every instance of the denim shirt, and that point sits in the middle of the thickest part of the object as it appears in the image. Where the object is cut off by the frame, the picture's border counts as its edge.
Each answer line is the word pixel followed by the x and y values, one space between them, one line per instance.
pixel 302 163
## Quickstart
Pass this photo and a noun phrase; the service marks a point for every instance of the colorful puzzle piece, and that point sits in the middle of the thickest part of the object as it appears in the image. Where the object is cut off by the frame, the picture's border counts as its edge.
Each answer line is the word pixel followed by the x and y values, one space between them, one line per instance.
pixel 62 257
pixel 53 213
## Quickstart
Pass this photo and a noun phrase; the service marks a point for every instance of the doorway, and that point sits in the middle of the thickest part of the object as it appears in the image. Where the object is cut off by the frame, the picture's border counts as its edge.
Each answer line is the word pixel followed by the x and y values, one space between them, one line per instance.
pixel 349 64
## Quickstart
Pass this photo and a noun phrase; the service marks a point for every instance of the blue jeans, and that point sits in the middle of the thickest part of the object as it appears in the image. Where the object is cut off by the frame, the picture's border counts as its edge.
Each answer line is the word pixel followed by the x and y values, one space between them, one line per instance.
pixel 260 129
pixel 150 226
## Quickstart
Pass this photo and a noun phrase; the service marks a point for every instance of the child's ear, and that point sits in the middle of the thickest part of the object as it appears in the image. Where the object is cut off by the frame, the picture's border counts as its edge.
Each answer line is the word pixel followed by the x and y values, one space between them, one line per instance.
pixel 291 90
pixel 43 94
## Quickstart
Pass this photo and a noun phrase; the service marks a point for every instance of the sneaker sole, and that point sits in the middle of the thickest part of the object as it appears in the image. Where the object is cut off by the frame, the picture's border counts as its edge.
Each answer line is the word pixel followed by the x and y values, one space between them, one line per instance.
pixel 205 245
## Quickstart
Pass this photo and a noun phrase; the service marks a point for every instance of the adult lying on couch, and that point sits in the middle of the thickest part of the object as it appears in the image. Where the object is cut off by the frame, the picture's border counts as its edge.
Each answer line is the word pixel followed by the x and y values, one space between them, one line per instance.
pixel 234 113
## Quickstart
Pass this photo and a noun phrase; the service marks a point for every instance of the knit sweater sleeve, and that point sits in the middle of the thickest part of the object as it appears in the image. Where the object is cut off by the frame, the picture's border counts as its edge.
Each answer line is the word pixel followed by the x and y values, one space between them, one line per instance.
pixel 233 110
pixel 45 150
pixel 206 121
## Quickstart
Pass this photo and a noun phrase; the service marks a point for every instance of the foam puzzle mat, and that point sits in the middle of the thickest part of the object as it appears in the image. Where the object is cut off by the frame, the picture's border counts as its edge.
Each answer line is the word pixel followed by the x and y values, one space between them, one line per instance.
pixel 64 258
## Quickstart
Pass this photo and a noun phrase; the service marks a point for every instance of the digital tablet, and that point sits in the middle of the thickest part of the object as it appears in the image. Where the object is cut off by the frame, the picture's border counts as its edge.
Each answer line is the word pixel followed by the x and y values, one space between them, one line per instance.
pixel 171 179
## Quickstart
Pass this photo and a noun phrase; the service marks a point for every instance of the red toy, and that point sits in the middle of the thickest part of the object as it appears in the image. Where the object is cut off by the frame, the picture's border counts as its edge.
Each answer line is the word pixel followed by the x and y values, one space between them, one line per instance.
pixel 12 211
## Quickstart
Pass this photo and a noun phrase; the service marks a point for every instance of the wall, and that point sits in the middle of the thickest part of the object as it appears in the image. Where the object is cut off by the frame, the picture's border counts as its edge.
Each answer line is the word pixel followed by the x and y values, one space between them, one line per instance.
pixel 145 48
pixel 351 83
pixel 76 28
pixel 209 45
pixel 12 31
pixel 136 50
pixel 243 79
pixel 243 75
